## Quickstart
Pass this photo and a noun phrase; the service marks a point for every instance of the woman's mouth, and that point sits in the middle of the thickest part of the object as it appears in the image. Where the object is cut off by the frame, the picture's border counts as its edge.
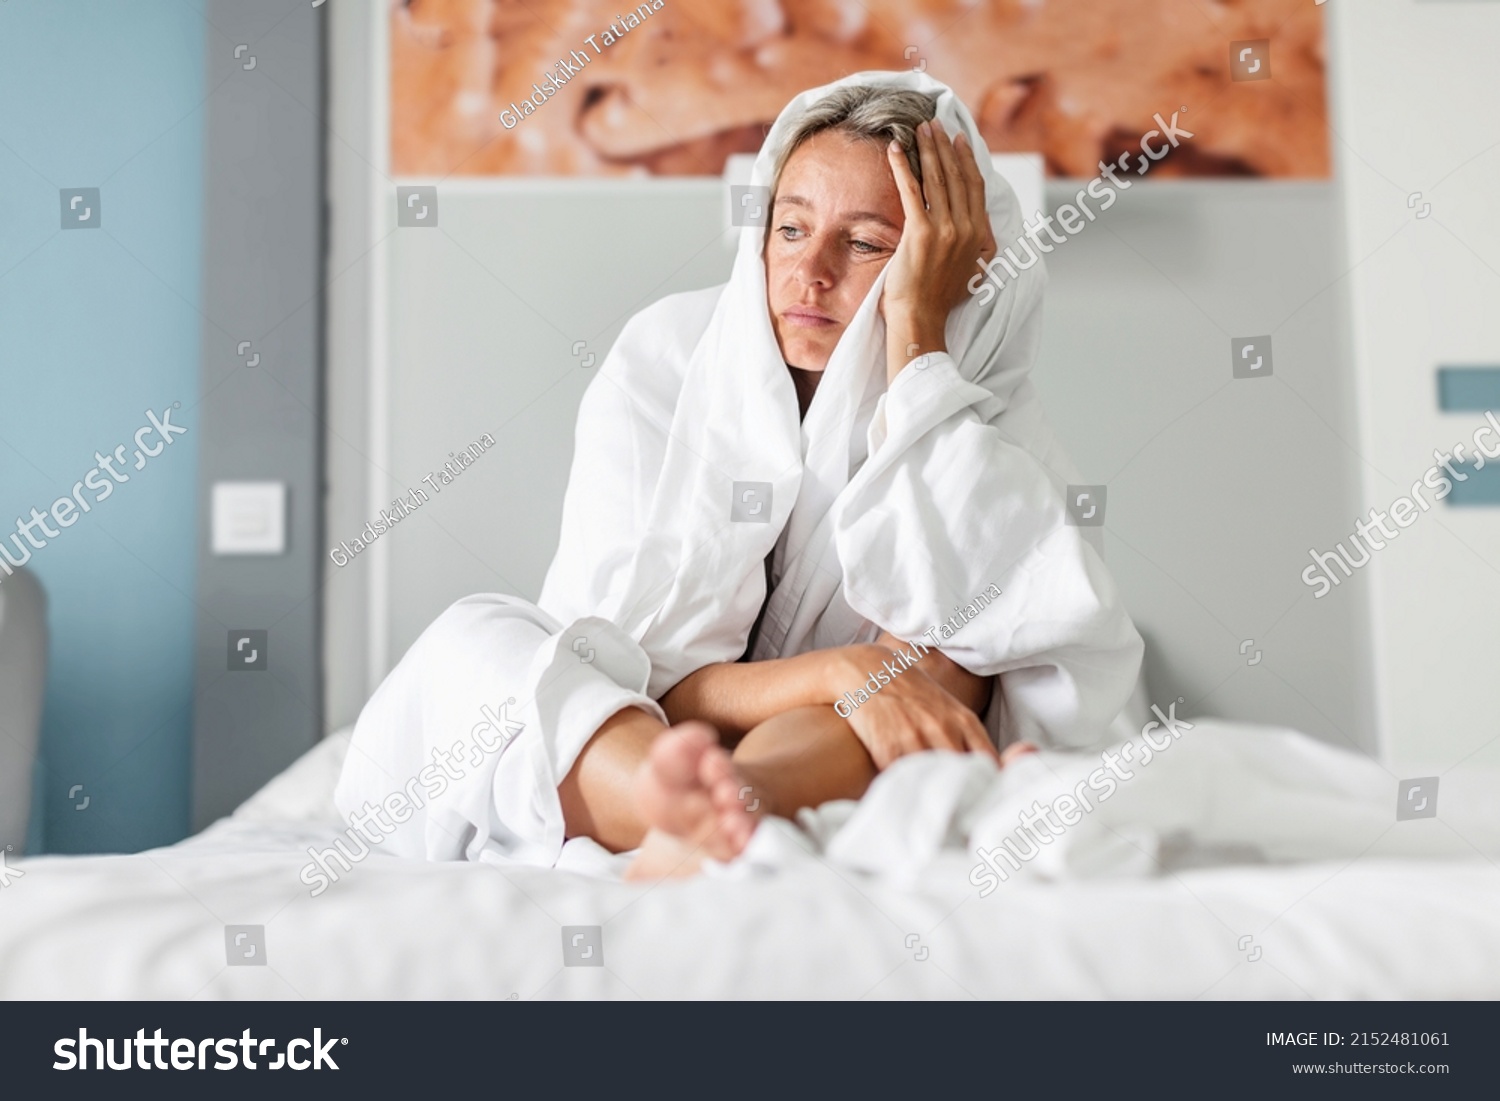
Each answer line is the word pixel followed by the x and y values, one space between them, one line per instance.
pixel 808 317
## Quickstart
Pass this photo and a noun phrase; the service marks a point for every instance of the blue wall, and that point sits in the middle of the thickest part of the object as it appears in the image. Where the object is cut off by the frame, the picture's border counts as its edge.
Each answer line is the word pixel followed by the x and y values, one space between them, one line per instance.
pixel 97 326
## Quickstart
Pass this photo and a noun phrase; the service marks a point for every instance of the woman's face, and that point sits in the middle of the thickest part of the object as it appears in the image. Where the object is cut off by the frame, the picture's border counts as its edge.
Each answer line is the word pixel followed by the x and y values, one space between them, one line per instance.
pixel 835 222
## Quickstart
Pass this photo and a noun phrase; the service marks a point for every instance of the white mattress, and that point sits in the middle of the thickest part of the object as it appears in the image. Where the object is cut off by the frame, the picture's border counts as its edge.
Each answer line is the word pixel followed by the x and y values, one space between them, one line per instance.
pixel 153 926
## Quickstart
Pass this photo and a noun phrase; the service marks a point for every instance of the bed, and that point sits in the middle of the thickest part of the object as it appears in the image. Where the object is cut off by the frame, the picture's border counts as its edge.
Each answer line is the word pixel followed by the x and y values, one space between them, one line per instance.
pixel 226 915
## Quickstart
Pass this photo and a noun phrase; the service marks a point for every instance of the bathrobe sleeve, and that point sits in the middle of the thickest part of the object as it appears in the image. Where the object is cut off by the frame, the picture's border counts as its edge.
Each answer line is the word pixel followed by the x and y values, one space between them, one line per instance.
pixel 946 506
pixel 620 438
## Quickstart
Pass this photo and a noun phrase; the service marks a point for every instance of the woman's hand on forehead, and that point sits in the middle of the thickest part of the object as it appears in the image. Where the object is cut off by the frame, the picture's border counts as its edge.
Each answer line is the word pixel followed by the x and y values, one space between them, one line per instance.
pixel 947 234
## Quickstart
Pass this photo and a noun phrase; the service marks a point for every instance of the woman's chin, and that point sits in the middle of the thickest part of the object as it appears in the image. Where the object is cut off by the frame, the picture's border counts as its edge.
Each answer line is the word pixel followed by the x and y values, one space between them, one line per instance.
pixel 807 357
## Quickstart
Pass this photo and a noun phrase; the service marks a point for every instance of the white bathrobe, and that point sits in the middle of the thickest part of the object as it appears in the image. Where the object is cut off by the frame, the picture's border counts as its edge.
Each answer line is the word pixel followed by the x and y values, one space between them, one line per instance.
pixel 887 508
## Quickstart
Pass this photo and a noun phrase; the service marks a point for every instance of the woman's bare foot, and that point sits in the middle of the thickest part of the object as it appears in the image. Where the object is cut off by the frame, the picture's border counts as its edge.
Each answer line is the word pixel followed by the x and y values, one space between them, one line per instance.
pixel 699 805
pixel 696 801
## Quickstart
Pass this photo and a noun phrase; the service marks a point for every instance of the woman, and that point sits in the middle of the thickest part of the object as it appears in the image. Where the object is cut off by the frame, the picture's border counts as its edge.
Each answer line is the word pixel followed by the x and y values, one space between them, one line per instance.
pixel 815 523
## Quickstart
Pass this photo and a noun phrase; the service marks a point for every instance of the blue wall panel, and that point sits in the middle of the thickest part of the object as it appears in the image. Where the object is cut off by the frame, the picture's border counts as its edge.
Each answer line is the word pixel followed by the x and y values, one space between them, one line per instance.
pixel 98 325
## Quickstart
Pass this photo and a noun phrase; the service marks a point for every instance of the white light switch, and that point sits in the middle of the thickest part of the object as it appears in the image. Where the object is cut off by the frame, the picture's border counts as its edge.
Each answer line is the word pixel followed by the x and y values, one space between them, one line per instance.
pixel 249 518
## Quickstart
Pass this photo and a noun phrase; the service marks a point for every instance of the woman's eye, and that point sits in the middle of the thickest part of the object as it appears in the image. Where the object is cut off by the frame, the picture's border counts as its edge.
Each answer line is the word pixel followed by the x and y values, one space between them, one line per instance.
pixel 787 232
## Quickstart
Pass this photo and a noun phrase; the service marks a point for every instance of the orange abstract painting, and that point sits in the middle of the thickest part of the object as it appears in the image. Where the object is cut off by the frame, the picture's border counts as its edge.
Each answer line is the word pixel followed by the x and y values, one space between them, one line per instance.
pixel 672 87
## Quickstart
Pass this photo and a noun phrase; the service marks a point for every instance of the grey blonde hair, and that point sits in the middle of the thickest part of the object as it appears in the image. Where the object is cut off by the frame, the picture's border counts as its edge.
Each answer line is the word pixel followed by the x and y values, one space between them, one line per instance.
pixel 867 112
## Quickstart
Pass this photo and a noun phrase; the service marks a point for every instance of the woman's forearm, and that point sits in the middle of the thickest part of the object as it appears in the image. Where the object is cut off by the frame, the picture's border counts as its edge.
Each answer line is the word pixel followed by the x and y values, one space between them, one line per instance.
pixel 736 697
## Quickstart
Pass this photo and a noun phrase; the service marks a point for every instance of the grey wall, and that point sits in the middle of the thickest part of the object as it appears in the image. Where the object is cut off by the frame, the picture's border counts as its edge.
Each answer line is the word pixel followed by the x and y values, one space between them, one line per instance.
pixel 1416 91
pixel 356 254
pixel 263 252
pixel 1218 486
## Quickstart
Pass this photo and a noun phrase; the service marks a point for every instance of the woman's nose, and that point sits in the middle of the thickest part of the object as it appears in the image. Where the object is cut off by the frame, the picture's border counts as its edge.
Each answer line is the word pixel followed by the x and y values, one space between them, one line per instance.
pixel 816 266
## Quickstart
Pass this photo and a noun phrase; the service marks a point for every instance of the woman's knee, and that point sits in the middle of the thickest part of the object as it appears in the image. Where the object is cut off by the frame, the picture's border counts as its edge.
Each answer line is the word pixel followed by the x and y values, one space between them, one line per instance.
pixel 797 726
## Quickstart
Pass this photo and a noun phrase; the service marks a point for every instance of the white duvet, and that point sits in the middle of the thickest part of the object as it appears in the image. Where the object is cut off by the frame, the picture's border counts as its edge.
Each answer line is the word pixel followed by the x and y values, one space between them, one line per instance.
pixel 1286 875
pixel 1181 794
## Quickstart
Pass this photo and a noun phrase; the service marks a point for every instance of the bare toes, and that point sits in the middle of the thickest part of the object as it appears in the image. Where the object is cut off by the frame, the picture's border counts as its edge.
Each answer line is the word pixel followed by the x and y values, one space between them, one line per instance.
pixel 696 802
pixel 677 755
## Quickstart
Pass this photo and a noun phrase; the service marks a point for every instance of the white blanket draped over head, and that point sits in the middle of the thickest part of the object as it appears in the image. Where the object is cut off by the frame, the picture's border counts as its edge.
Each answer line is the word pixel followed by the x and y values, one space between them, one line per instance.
pixel 890 508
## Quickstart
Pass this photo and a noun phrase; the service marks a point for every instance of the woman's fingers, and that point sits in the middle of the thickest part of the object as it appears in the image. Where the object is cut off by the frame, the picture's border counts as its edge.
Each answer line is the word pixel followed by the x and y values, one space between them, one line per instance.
pixel 906 183
pixel 942 732
pixel 968 170
pixel 979 740
pixel 915 714
pixel 912 744
pixel 968 164
pixel 896 745
pixel 888 737
pixel 962 732
pixel 955 191
pixel 934 179
pixel 915 737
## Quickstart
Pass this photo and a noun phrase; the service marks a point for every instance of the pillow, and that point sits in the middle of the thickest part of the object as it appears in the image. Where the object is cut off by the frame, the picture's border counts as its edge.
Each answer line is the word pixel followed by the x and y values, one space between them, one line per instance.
pixel 1134 715
pixel 304 791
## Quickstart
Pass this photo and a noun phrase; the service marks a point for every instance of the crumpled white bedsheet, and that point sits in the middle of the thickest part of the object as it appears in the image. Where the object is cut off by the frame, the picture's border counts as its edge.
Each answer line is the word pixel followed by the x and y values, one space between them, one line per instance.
pixel 796 918
pixel 1219 793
